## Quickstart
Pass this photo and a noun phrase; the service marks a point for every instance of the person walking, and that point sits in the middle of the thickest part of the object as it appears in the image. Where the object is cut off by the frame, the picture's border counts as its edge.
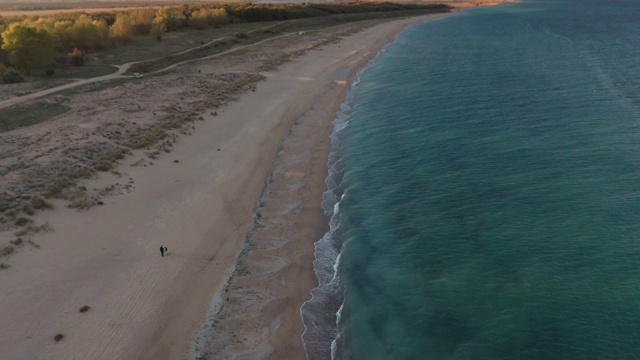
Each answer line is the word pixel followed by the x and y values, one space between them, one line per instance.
pixel 162 250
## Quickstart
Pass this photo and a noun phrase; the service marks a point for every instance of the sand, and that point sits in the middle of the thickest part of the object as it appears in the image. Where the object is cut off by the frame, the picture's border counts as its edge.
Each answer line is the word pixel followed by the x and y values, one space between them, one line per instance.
pixel 236 201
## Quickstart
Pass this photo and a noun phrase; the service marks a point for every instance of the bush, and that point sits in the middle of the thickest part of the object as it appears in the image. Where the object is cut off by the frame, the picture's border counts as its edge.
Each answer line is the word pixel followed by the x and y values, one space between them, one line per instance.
pixel 12 76
pixel 77 57
pixel 37 202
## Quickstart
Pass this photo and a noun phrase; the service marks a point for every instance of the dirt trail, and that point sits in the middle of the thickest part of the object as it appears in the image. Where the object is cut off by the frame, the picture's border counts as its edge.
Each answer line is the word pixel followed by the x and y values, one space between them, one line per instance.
pixel 124 67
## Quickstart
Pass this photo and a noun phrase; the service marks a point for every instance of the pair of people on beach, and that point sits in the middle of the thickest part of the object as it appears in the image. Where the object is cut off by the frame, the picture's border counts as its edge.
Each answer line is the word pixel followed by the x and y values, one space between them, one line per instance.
pixel 163 249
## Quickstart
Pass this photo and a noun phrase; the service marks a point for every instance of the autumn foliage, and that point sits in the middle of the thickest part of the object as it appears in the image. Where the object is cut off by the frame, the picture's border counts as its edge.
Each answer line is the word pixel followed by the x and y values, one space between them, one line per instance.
pixel 33 45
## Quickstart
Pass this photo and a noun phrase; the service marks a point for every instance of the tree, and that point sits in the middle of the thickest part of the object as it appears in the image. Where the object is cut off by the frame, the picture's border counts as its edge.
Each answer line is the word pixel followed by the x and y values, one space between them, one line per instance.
pixel 11 76
pixel 122 29
pixel 4 55
pixel 218 17
pixel 30 48
pixel 198 19
pixel 88 34
pixel 62 32
pixel 157 29
pixel 170 17
pixel 77 57
pixel 142 20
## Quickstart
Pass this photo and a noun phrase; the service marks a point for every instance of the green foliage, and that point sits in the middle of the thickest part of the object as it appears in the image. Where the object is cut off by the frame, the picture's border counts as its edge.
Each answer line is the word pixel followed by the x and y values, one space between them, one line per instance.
pixel 30 48
pixel 11 76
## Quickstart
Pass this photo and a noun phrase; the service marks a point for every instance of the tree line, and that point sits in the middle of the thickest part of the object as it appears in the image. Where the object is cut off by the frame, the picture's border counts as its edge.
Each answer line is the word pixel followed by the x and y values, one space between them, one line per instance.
pixel 38 44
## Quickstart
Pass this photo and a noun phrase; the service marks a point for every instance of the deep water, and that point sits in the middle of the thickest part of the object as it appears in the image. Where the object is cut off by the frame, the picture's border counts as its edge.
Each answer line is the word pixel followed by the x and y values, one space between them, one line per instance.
pixel 489 170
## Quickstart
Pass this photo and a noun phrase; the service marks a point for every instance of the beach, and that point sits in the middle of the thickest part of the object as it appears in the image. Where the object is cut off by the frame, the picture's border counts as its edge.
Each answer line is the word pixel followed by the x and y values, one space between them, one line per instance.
pixel 236 201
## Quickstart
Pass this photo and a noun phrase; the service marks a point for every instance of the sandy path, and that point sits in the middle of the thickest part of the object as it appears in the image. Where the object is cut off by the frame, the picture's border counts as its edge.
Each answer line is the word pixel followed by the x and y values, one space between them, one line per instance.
pixel 121 69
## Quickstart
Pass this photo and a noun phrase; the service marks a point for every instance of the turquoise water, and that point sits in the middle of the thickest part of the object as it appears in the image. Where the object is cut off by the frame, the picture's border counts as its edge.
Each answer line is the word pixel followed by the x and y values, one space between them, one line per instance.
pixel 488 166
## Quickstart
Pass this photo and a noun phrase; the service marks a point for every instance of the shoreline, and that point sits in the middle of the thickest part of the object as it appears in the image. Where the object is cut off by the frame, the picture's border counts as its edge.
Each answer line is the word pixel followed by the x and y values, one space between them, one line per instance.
pixel 280 246
pixel 237 244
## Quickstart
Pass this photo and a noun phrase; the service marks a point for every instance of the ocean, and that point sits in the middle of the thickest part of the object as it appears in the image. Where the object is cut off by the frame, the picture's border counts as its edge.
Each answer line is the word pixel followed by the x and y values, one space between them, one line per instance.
pixel 484 192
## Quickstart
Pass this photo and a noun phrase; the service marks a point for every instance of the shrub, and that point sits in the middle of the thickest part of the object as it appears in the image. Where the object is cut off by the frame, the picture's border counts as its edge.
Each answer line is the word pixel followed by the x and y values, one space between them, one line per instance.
pixel 22 221
pixel 12 76
pixel 8 250
pixel 77 57
pixel 103 165
pixel 54 189
pixel 40 203
pixel 28 209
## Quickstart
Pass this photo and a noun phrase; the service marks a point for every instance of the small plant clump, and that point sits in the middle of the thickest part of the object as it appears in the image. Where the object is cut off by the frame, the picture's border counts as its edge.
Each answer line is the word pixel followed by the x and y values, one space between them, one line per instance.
pixel 85 308
pixel 58 337
pixel 7 250
pixel 22 221
pixel 39 203
pixel 12 76
pixel 34 229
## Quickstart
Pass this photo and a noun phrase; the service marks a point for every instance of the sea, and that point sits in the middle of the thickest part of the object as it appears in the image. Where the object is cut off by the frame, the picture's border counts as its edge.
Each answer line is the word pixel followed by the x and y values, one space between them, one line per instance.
pixel 484 192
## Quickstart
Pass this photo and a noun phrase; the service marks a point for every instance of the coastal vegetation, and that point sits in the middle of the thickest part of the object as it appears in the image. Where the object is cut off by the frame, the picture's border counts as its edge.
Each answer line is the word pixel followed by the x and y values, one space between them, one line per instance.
pixel 58 49
pixel 41 45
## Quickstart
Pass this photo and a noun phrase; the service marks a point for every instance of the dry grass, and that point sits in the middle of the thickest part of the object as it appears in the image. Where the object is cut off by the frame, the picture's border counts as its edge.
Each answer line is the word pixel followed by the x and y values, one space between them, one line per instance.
pixel 55 188
pixel 22 221
pixel 39 203
pixel 32 229
pixel 58 170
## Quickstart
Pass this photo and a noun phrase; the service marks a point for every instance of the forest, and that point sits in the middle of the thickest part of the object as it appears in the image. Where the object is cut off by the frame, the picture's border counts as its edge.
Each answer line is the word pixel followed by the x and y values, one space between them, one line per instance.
pixel 38 45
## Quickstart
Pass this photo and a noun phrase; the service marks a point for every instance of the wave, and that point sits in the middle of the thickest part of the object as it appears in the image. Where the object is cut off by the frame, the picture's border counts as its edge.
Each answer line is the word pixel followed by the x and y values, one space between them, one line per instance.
pixel 321 314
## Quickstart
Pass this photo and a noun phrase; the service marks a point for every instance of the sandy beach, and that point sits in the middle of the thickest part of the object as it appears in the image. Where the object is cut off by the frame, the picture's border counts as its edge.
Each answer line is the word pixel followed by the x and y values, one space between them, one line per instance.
pixel 236 202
